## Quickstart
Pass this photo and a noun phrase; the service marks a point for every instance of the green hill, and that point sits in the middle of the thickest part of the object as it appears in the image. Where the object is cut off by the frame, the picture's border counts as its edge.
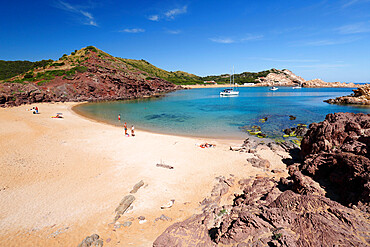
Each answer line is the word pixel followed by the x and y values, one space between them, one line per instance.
pixel 177 77
pixel 245 77
pixel 8 69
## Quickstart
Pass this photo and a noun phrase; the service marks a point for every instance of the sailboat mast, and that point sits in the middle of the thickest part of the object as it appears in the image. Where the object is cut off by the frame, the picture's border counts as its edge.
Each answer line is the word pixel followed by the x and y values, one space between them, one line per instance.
pixel 230 76
pixel 233 75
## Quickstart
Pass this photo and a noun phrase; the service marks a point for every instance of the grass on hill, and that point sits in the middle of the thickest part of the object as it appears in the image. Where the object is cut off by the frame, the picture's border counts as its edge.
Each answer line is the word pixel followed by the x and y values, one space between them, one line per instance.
pixel 177 77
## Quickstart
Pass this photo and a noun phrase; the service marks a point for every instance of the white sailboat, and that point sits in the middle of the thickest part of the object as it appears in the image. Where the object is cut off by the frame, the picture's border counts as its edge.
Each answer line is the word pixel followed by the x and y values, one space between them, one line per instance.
pixel 230 91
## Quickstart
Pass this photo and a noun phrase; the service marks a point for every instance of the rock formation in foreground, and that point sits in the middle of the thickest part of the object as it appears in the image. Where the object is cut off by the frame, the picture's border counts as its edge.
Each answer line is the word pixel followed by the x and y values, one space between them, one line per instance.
pixel 295 211
pixel 361 96
pixel 263 215
pixel 288 78
pixel 88 74
pixel 336 152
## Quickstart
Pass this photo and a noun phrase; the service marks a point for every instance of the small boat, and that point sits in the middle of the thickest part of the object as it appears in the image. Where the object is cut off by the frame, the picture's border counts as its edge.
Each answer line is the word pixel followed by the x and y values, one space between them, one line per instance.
pixel 274 88
pixel 297 87
pixel 229 92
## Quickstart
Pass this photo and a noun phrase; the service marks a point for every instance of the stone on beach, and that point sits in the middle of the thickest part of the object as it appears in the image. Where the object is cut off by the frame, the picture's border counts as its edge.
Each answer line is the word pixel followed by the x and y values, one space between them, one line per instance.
pixel 165 166
pixel 137 187
pixel 123 206
pixel 92 240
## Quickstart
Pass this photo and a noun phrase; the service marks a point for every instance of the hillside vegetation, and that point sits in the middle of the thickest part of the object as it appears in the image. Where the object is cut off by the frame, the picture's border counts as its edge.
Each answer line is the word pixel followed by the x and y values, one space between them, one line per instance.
pixel 8 69
pixel 177 77
pixel 245 77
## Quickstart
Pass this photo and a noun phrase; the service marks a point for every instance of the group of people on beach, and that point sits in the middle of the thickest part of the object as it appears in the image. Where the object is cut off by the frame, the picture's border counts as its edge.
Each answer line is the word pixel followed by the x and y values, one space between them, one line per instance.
pixel 125 127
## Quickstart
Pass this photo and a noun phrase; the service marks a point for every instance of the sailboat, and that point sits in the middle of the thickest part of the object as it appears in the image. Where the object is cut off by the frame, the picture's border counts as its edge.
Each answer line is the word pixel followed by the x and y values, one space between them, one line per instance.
pixel 230 91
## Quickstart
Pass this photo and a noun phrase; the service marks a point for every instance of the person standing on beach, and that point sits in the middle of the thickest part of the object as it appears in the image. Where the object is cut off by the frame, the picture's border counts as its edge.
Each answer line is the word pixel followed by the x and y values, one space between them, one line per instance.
pixel 119 117
pixel 125 127
pixel 37 110
pixel 132 130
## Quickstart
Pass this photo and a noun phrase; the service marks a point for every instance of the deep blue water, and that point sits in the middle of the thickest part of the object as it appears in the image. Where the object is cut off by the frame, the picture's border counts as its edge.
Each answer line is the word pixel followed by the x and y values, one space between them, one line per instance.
pixel 202 112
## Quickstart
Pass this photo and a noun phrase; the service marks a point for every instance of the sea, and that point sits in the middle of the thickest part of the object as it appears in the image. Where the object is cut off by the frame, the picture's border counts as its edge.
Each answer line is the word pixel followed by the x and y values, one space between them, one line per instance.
pixel 203 113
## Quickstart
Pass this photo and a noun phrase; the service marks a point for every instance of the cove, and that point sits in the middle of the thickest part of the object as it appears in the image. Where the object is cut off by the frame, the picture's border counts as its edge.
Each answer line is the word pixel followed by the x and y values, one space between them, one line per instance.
pixel 203 113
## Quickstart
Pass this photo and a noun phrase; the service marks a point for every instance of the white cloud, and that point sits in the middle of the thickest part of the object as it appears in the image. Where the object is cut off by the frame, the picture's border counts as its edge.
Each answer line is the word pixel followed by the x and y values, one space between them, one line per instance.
pixel 228 40
pixel 288 60
pixel 173 31
pixel 171 14
pixel 88 17
pixel 353 2
pixel 250 37
pixel 133 30
pixel 326 42
pixel 362 27
pixel 153 18
pixel 223 40
pixel 325 65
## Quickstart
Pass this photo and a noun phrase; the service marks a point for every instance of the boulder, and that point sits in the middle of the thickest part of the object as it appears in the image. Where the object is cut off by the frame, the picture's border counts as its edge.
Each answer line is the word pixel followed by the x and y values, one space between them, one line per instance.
pixel 337 150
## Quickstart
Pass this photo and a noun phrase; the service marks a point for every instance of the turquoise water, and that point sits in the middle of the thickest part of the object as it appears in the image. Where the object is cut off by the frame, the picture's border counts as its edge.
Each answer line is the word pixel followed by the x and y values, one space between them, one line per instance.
pixel 202 112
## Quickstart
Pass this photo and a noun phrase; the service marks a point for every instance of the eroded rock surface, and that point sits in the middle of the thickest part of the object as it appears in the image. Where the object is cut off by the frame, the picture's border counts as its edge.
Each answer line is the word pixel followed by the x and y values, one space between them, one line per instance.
pixel 288 78
pixel 338 150
pixel 263 215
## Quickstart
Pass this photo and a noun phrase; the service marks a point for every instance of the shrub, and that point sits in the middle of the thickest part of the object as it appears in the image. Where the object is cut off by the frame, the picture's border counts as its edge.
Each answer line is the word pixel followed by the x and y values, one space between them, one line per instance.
pixel 91 48
pixel 28 75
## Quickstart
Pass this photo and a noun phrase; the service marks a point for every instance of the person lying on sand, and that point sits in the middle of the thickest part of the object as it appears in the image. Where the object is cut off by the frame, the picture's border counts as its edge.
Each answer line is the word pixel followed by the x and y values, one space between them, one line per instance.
pixel 59 115
pixel 207 145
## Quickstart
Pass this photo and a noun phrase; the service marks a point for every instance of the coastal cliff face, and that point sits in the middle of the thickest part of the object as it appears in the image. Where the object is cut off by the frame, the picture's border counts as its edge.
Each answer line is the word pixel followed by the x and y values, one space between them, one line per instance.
pixel 288 78
pixel 309 208
pixel 361 96
pixel 87 75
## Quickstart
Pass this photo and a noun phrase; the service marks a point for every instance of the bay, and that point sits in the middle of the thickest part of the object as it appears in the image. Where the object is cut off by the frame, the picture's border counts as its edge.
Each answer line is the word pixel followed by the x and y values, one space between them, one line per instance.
pixel 203 113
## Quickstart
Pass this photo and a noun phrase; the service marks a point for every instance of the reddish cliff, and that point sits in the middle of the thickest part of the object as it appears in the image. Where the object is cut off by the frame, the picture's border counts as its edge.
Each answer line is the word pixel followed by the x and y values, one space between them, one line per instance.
pixel 87 75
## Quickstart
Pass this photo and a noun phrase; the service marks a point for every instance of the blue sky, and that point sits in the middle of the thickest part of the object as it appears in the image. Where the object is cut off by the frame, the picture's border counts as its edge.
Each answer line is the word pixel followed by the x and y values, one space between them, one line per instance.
pixel 315 39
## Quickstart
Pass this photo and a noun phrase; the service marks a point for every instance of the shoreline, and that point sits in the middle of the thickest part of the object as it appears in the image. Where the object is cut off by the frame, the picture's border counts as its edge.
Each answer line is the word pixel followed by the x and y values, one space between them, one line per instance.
pixel 61 179
pixel 220 138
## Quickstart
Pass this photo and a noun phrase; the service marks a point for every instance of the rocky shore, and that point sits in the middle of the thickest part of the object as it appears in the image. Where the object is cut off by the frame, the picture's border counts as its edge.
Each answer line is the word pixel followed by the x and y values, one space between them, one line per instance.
pixel 288 78
pixel 360 96
pixel 323 202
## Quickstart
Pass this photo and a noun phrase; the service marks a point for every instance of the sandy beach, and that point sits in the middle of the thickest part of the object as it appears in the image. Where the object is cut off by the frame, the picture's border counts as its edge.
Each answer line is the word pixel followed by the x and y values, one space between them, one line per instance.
pixel 62 179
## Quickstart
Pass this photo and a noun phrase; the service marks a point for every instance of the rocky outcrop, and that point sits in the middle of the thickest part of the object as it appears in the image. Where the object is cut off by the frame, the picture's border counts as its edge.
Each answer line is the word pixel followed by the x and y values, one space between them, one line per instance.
pixel 309 208
pixel 98 77
pixel 360 96
pixel 338 150
pixel 321 83
pixel 280 78
pixel 288 78
pixel 263 215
